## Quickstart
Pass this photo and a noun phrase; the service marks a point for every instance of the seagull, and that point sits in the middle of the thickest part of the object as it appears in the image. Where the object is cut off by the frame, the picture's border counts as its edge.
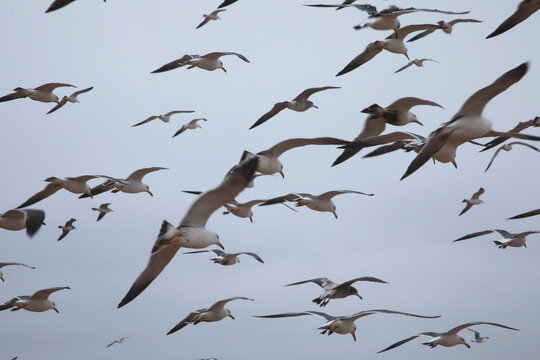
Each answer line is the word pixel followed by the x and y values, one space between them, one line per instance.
pixel 448 338
pixel 38 302
pixel 398 114
pixel 525 9
pixel 241 210
pixel 336 291
pixel 71 98
pixel 212 16
pixel 57 4
pixel 468 123
pixel 165 118
pixel 132 184
pixel 103 210
pixel 343 324
pixel 67 228
pixel 227 259
pixel 268 159
pixel 526 214
pixel 398 140
pixel 208 62
pixel 226 3
pixel 322 202
pixel 508 147
pixel 512 240
pixel 190 125
pixel 393 43
pixel 28 219
pixel 444 26
pixel 191 233
pixel 216 312
pixel 119 341
pixel 477 338
pixel 474 200
pixel 2 264
pixel 76 185
pixel 299 103
pixel 518 128
pixel 417 62
pixel 43 93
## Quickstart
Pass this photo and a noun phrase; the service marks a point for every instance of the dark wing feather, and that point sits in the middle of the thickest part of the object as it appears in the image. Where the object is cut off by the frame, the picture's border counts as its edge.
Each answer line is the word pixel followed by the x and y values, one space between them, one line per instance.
pixel 274 111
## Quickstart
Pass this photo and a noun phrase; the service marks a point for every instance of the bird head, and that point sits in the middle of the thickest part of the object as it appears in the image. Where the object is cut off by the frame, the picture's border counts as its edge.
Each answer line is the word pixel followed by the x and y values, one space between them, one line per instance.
pixel 462 341
pixel 147 189
pixel 311 104
pixel 221 66
pixel 353 291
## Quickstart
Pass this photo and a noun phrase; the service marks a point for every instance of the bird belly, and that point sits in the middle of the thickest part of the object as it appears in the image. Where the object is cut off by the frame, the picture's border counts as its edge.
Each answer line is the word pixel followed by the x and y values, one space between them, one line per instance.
pixel 396 46
pixel 342 327
pixel 319 205
pixel 268 165
pixel 446 154
pixel 448 340
pixel 516 242
pixel 12 224
pixel 298 106
pixel 242 212
pixel 469 128
pixel 76 187
pixel 42 96
pixel 384 23
pixel 193 237
pixel 206 64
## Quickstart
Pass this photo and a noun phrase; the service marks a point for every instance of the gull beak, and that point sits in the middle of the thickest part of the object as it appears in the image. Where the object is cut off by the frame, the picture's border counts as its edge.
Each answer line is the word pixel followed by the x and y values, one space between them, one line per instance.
pixel 2 277
pixel 467 345
pixel 454 163
pixel 407 56
pixel 232 317
pixel 89 193
pixel 220 245
pixel 418 122
pixel 333 212
pixel 282 175
pixel 315 106
pixel 148 191
pixel 251 219
pixel 223 69
pixel 353 335
pixel 359 296
pixel 55 309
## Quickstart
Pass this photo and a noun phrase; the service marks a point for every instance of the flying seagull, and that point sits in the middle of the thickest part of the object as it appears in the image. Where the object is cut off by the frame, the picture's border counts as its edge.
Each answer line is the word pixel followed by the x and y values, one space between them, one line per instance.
pixel 474 200
pixel 28 219
pixel 447 27
pixel 2 264
pixel 212 16
pixel 336 291
pixel 525 9
pixel 508 147
pixel 38 302
pixel 225 258
pixel 165 118
pixel 448 338
pixel 76 185
pixel 119 341
pixel 417 62
pixel 103 210
pixel 191 233
pixel 71 98
pixel 477 338
pixel 518 128
pixel 43 93
pixel 67 228
pixel 512 240
pixel 342 324
pixel 132 184
pixel 299 103
pixel 208 62
pixel 216 312
pixel 193 124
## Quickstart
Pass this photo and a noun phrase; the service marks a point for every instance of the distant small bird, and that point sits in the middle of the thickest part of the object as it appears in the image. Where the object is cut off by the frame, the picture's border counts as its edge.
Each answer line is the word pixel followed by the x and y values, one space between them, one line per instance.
pixel 119 341
pixel 67 228
pixel 28 219
pixel 417 62
pixel 216 312
pixel 448 338
pixel 477 338
pixel 525 9
pixel 38 302
pixel 299 103
pixel 71 98
pixel 76 185
pixel 225 258
pixel 444 26
pixel 103 210
pixel 165 118
pixel 208 62
pixel 212 16
pixel 508 147
pixel 474 200
pixel 193 124
pixel 43 93
pixel 512 240
pixel 336 291
pixel 2 264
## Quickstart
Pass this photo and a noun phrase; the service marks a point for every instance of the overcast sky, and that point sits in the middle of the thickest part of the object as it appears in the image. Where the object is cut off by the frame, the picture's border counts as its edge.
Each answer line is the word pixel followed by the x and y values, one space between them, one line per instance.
pixel 402 235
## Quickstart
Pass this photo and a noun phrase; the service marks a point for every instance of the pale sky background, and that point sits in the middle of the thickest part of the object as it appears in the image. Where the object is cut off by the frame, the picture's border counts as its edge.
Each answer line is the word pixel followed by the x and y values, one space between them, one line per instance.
pixel 402 235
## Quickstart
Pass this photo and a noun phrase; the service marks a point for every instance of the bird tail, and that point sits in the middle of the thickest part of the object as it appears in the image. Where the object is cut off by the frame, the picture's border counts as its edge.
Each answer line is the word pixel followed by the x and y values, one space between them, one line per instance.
pixel 500 245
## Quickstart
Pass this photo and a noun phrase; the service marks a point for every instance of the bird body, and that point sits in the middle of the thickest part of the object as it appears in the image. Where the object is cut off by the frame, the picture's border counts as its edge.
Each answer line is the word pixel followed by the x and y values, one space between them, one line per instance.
pixel 193 124
pixel 103 210
pixel 28 219
pixel 43 93
pixel 227 259
pixel 38 302
pixel 208 62
pixel 212 16
pixel 66 228
pixel 164 117
pixel 132 184
pixel 76 185
pixel 474 200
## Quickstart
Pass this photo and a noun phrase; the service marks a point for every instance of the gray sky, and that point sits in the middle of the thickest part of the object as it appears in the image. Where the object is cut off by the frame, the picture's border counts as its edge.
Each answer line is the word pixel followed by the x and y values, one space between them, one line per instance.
pixel 402 235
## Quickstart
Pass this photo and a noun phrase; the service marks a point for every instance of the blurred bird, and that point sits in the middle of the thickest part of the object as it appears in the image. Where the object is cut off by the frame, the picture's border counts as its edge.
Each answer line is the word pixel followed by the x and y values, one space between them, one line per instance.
pixel 71 98
pixel 208 62
pixel 3 264
pixel 518 128
pixel 299 103
pixel 417 62
pixel 448 338
pixel 190 125
pixel 43 93
pixel 526 214
pixel 477 338
pixel 67 228
pixel 216 312
pixel 212 16
pixel 119 341
pixel 225 258
pixel 165 118
pixel 525 9
pixel 38 302
pixel 512 240
pixel 508 147
pixel 447 27
pixel 103 210
pixel 76 185
pixel 474 200
pixel 28 219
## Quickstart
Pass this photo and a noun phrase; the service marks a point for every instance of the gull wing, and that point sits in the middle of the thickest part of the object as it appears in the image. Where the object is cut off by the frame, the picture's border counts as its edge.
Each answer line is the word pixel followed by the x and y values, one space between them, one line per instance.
pixel 330 194
pixel 13 96
pixel 499 140
pixel 470 236
pixel 422 34
pixel 275 316
pixel 181 130
pixel 281 199
pixel 477 194
pixel 58 106
pixel 253 255
pixel 401 342
pixel 221 303
pixel 49 87
pixel 493 157
pixel 46 192
pixel 139 174
pixel 404 67
pixel 525 9
pixel 178 112
pixel 204 22
pixel 504 234
pixel 465 209
pixel 289 144
pixel 187 320
pixel 526 214
pixel 44 293
pixel 217 55
pixel 456 21
pixel 2 264
pixel 322 282
pixel 407 103
pixel 458 328
pixel 77 93
pixel 369 53
pixel 304 95
pixel 55 5
pixel 234 182
pixel 175 63
pixel 146 120
pixel 346 284
pixel 275 110
pixel 226 3
pixel 476 334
